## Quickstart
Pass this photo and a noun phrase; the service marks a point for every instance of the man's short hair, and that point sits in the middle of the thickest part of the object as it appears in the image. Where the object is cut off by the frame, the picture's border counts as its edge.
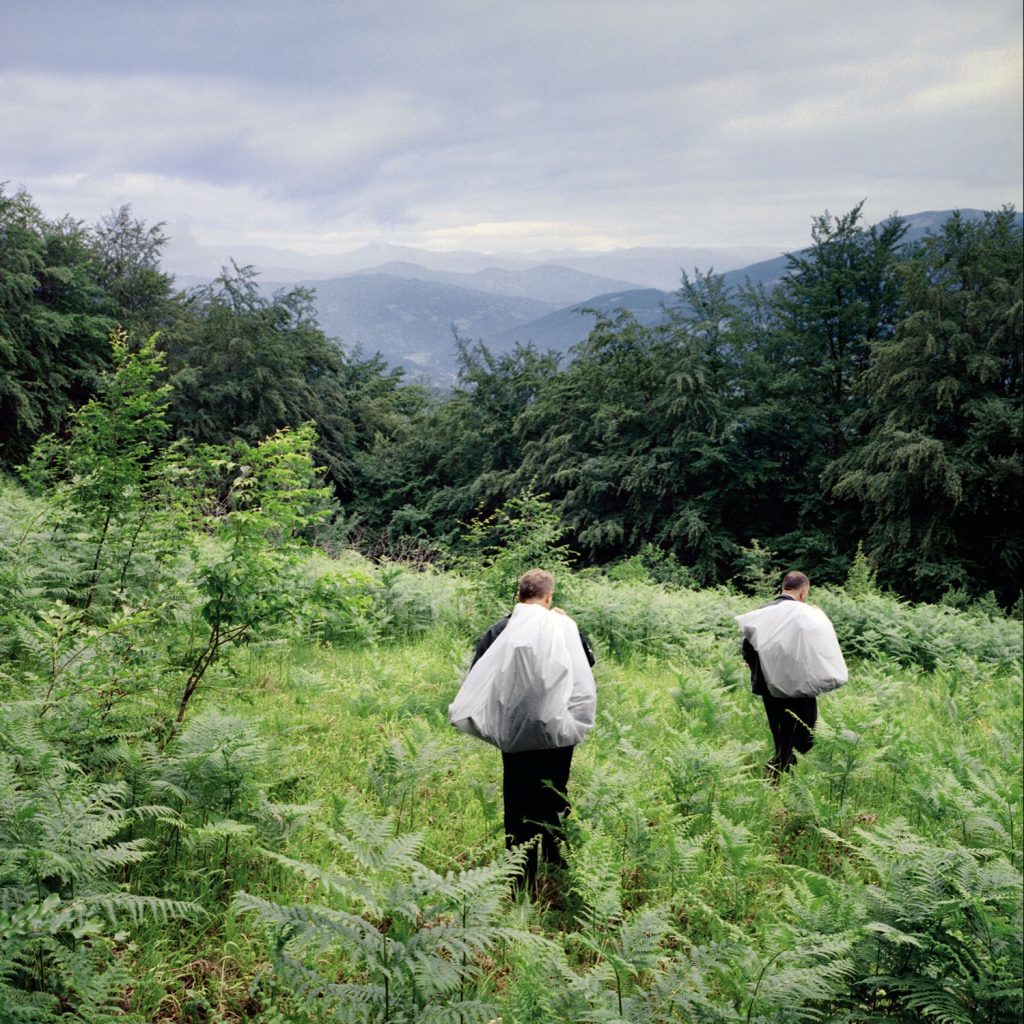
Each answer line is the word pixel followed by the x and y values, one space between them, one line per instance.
pixel 535 583
pixel 795 581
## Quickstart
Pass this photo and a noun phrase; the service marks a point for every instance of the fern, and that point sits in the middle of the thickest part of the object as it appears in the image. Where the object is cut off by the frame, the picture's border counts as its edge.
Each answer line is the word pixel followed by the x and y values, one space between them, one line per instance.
pixel 624 946
pixel 58 900
pixel 214 776
pixel 942 930
pixel 399 767
pixel 802 982
pixel 415 940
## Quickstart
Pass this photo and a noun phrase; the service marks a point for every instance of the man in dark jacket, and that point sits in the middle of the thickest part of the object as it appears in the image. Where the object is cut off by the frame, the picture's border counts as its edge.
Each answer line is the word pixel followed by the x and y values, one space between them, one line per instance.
pixel 791 719
pixel 534 782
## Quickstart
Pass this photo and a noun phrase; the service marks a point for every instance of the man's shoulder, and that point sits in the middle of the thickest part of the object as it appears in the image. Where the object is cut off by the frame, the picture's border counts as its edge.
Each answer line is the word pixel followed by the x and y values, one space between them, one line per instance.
pixel 494 630
pixel 489 637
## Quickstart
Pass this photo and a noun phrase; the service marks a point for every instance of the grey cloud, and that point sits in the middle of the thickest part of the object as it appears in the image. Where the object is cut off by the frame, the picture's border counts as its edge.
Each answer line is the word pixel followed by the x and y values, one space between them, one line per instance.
pixel 637 122
pixel 216 132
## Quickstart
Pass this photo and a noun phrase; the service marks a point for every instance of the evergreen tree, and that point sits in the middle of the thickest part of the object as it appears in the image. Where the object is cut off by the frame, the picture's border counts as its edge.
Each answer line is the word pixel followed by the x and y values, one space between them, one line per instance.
pixel 53 327
pixel 243 366
pixel 939 476
pixel 839 299
pixel 127 254
pixel 589 437
pixel 635 439
pixel 454 457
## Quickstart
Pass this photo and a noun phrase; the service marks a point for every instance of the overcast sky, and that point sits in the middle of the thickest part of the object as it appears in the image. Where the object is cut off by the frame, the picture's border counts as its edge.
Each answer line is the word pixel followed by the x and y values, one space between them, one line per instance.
pixel 522 124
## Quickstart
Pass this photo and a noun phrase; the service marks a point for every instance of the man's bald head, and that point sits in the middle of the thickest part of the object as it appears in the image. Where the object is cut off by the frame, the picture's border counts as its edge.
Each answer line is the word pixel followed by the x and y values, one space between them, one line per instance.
pixel 796 584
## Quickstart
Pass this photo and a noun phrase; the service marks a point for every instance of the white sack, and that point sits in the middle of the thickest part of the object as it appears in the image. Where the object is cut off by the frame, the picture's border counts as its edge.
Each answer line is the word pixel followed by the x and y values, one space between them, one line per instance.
pixel 532 689
pixel 797 647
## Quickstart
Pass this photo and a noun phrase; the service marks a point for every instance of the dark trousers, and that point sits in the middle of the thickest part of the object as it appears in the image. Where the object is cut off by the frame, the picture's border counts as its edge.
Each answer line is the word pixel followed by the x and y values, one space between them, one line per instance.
pixel 533 786
pixel 791 720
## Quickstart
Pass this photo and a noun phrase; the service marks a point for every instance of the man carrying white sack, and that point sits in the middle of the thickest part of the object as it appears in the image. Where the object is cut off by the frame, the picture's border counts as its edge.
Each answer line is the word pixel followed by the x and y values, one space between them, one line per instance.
pixel 530 692
pixel 794 655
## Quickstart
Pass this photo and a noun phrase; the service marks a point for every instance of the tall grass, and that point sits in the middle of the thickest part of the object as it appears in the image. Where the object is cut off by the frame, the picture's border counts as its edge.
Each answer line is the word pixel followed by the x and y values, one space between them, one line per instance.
pixel 317 774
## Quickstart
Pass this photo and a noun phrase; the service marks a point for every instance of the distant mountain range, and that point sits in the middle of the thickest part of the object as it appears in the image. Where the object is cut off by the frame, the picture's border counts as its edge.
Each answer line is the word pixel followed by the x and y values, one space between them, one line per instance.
pixel 411 322
pixel 406 303
pixel 641 267
pixel 549 282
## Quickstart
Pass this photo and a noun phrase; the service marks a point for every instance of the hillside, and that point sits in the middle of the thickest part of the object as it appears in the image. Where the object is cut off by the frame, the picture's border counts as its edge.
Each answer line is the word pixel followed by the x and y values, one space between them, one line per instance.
pixel 406 310
pixel 410 321
pixel 566 327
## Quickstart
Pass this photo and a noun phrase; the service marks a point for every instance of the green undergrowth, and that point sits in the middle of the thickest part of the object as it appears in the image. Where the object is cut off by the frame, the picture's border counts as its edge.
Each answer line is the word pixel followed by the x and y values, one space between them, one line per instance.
pixel 882 879
pixel 229 791
pixel 885 870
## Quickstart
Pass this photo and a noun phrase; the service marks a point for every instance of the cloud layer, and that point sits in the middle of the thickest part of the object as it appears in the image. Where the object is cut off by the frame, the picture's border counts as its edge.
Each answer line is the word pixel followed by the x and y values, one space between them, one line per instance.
pixel 462 123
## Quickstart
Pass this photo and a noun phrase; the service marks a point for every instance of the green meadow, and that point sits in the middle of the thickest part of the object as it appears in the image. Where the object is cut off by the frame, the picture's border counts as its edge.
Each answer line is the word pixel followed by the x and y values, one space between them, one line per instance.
pixel 315 843
pixel 229 791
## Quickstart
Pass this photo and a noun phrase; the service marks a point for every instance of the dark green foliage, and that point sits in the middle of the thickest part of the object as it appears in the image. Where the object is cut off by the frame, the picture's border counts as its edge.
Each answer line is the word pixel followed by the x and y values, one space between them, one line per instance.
pixel 838 300
pixel 640 440
pixel 590 438
pixel 455 457
pixel 127 259
pixel 873 397
pixel 243 366
pixel 939 474
pixel 53 326
pixel 811 344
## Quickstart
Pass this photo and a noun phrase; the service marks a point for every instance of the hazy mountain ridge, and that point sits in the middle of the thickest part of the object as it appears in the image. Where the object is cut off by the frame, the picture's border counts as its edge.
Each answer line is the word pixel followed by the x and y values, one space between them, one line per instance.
pixel 410 322
pixel 407 310
pixel 552 283
pixel 643 266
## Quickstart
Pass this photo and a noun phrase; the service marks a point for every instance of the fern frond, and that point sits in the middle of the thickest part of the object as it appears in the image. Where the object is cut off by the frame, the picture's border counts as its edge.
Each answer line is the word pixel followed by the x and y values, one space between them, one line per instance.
pixel 642 935
pixel 121 854
pixel 929 998
pixel 595 870
pixel 137 909
pixel 319 925
pixel 152 812
pixel 434 975
pixel 473 893
pixel 374 845
pixel 213 833
pixel 348 1001
pixel 331 881
pixel 459 1011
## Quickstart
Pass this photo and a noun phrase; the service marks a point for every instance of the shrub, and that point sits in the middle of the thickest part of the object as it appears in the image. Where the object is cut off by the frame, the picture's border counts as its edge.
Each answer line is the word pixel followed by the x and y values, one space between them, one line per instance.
pixel 928 636
pixel 524 533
